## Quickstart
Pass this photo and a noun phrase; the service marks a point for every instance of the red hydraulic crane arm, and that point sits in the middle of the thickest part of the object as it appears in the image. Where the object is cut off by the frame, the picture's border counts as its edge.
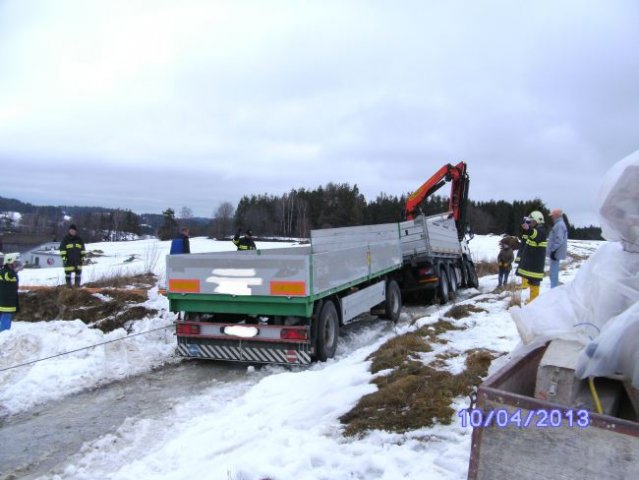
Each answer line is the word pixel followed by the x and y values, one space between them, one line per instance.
pixel 458 191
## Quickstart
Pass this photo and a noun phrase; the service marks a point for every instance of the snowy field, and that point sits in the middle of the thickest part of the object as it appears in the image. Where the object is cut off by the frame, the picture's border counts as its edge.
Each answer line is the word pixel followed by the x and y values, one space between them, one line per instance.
pixel 283 425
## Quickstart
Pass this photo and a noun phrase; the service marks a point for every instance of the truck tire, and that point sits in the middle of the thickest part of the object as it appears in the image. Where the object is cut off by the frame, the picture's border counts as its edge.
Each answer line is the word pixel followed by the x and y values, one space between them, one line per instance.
pixel 442 288
pixel 327 331
pixel 453 280
pixel 393 302
pixel 472 280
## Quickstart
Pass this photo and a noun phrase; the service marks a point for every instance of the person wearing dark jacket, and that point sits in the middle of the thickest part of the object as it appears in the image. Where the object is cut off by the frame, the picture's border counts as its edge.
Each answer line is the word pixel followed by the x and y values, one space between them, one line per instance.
pixel 72 252
pixel 9 305
pixel 181 243
pixel 533 258
pixel 246 242
pixel 505 261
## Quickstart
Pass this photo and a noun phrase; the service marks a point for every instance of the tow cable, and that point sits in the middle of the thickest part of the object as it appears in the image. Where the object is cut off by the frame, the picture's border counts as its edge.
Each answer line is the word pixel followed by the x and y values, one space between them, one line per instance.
pixel 85 348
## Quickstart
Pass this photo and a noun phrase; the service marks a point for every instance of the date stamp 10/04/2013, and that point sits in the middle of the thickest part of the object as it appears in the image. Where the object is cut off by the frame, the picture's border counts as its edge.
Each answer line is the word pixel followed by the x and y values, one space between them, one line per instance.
pixel 542 418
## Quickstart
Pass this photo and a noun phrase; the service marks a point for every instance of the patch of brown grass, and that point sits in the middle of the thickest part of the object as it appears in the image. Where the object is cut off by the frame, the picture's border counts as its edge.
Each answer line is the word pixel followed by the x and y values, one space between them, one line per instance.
pixel 120 320
pixel 515 298
pixel 463 311
pixel 435 329
pixel 143 281
pixel 576 257
pixel 124 296
pixel 486 268
pixel 397 350
pixel 414 396
pixel 64 303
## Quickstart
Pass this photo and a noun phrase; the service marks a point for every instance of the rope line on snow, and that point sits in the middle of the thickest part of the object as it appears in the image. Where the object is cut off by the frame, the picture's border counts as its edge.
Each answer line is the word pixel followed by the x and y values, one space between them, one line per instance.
pixel 84 348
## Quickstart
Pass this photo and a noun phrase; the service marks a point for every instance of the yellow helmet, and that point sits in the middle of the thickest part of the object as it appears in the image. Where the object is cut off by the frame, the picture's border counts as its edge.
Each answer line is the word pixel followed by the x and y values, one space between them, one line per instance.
pixel 537 216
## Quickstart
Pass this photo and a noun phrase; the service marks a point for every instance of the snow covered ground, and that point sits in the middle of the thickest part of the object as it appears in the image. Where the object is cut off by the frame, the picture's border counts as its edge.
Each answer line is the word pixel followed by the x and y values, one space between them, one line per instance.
pixel 282 425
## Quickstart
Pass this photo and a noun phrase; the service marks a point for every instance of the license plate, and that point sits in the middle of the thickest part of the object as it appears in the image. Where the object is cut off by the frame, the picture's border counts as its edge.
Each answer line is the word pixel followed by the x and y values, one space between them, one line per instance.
pixel 241 331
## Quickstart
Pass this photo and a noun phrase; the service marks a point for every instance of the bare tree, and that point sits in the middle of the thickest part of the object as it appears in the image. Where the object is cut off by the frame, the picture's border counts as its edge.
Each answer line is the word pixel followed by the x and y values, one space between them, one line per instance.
pixel 186 213
pixel 222 223
pixel 303 222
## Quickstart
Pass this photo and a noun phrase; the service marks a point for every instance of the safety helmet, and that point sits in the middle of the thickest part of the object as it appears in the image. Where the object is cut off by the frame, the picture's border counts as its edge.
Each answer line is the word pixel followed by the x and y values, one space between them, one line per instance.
pixel 10 258
pixel 537 216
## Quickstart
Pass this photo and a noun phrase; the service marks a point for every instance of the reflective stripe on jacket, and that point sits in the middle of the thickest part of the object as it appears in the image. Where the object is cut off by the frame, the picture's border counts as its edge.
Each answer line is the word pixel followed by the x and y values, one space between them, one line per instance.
pixel 8 290
pixel 72 251
pixel 244 243
pixel 533 258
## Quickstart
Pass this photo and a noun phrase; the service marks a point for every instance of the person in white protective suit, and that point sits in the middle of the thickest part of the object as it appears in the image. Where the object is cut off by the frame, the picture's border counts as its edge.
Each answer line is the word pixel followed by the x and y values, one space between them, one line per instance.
pixel 600 308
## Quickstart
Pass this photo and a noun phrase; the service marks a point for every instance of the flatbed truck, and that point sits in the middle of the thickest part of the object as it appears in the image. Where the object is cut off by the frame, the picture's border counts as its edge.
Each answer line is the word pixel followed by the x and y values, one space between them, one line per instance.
pixel 286 305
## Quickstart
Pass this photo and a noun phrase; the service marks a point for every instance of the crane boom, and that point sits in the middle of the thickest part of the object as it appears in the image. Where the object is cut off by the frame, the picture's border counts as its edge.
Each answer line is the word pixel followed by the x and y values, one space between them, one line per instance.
pixel 458 193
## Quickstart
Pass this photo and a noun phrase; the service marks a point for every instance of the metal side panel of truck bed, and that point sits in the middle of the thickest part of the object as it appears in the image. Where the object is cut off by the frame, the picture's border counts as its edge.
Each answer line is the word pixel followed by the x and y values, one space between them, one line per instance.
pixel 433 235
pixel 337 259
pixel 342 256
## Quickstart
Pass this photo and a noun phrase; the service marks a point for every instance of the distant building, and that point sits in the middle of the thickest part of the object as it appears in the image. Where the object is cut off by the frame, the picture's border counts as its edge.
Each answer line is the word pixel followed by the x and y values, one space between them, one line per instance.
pixel 46 255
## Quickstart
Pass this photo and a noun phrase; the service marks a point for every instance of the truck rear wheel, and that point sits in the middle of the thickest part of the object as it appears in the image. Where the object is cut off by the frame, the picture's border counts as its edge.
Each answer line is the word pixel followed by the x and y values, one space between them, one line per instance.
pixel 453 279
pixel 327 331
pixel 442 289
pixel 471 275
pixel 393 302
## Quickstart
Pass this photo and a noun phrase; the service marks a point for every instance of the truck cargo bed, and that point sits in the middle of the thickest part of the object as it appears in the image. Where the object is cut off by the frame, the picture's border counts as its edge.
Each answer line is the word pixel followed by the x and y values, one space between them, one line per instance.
pixel 433 235
pixel 337 259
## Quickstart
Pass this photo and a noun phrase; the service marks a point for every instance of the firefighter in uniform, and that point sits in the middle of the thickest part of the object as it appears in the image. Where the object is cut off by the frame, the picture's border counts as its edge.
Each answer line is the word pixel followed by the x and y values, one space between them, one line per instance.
pixel 246 242
pixel 72 252
pixel 8 290
pixel 533 259
pixel 520 253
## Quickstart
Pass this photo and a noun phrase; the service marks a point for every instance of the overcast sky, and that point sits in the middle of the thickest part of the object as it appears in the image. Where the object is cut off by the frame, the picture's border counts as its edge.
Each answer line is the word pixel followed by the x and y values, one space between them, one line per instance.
pixel 155 104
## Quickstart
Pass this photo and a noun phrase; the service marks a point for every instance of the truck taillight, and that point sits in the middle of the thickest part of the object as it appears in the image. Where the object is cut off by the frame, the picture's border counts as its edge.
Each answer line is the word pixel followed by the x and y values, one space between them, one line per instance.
pixel 187 329
pixel 293 334
pixel 425 272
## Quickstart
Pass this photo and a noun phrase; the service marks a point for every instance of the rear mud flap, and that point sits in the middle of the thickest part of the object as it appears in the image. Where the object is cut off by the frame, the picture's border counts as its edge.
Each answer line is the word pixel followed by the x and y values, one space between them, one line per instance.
pixel 244 351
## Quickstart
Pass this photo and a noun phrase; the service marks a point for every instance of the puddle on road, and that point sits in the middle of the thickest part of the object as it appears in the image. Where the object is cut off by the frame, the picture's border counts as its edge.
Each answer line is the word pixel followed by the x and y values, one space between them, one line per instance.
pixel 35 441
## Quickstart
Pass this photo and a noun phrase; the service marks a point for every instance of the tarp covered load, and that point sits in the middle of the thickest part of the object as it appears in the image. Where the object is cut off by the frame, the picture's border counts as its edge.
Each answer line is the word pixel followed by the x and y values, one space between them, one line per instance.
pixel 600 307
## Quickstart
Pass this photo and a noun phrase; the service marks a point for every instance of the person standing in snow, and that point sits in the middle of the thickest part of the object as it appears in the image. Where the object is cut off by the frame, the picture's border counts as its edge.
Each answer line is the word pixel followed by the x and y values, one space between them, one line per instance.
pixel 505 261
pixel 246 242
pixel 72 252
pixel 557 245
pixel 181 243
pixel 533 258
pixel 9 305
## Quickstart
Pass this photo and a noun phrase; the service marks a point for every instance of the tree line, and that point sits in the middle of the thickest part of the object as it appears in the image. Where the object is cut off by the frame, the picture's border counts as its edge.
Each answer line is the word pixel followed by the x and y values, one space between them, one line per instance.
pixel 338 205
pixel 50 223
pixel 292 214
pixel 297 212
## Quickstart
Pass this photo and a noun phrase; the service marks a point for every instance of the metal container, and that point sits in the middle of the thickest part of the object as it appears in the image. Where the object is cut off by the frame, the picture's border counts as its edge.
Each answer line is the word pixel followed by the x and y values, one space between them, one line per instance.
pixel 607 448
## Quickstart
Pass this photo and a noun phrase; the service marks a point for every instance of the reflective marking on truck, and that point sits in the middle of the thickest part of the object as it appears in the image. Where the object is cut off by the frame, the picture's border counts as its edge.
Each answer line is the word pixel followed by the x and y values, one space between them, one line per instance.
pixel 246 354
pixel 184 285
pixel 291 356
pixel 278 287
